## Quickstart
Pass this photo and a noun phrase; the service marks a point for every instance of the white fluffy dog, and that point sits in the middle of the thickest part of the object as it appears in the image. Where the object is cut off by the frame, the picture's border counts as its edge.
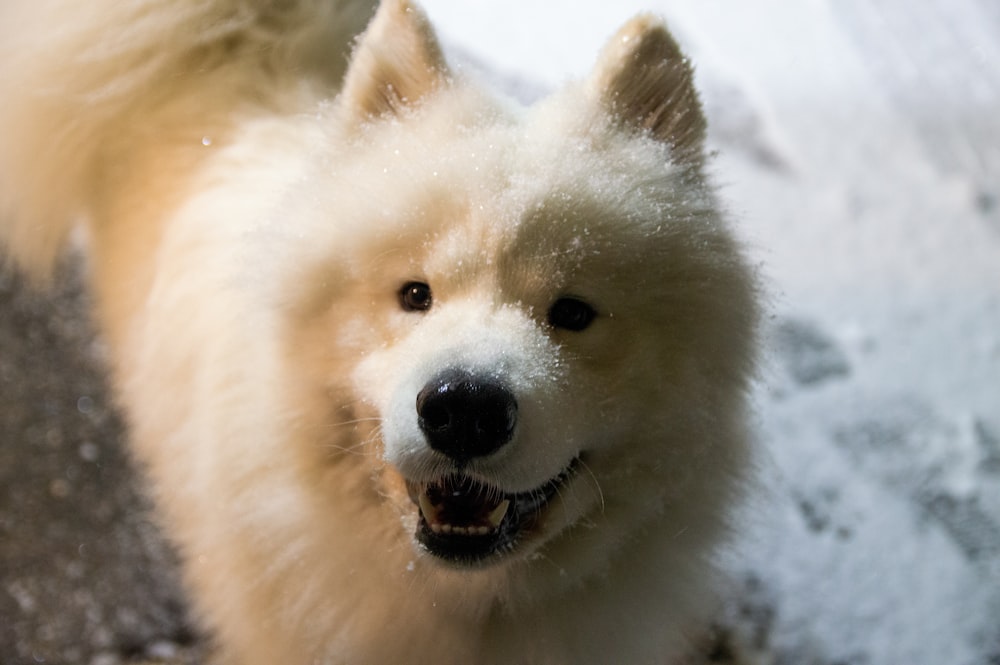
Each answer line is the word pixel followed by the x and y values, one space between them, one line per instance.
pixel 416 376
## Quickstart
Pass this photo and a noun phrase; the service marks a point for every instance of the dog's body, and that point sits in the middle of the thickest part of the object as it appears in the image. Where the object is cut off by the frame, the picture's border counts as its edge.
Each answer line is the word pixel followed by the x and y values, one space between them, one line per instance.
pixel 416 377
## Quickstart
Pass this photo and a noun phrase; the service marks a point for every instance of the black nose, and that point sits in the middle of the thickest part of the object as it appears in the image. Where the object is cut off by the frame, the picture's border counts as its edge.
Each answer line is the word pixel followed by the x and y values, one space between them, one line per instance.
pixel 464 416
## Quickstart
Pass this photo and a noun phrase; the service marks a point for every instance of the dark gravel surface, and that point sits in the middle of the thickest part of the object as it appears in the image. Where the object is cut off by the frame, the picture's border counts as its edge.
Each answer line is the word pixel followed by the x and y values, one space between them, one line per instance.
pixel 84 575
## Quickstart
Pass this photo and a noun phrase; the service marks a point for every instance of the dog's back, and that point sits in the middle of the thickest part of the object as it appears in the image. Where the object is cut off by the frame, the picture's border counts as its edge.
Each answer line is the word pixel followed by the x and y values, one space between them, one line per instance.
pixel 82 82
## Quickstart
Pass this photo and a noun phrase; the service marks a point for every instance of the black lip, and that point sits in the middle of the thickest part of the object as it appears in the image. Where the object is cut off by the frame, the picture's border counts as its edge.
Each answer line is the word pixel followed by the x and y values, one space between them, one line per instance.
pixel 467 549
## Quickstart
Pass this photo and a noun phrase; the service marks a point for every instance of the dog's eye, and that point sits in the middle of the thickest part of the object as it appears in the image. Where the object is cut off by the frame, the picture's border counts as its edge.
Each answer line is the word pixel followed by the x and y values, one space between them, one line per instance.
pixel 571 314
pixel 415 297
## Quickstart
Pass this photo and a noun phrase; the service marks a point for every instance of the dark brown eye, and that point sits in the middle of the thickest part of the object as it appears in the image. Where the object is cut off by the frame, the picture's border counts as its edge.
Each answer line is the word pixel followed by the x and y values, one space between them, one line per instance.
pixel 415 297
pixel 571 314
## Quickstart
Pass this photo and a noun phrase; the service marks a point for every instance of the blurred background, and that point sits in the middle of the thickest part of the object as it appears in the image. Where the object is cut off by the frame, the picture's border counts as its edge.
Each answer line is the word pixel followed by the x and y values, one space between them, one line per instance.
pixel 858 148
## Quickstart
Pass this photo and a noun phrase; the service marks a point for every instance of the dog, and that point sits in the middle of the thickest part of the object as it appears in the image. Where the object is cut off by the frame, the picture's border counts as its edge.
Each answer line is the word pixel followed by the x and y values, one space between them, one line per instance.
pixel 416 375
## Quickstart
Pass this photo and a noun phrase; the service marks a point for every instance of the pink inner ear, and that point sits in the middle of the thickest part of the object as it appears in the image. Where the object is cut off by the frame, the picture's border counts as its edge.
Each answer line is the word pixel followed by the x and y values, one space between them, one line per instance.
pixel 396 63
pixel 644 80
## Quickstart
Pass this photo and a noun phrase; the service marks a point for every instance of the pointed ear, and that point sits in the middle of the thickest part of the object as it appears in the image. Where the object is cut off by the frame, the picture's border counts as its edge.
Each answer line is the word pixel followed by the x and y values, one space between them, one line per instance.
pixel 644 81
pixel 396 63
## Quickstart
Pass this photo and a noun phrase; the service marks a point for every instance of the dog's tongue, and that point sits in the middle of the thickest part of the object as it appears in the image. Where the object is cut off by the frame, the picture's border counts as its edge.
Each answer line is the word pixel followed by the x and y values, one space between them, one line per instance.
pixel 459 505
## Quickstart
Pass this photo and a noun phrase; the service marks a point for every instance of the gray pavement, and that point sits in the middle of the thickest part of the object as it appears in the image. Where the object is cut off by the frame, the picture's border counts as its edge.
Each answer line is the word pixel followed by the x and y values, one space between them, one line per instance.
pixel 84 574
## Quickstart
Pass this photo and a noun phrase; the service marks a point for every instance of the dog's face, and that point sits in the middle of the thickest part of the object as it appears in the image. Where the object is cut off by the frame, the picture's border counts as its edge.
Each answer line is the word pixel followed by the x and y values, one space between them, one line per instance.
pixel 522 319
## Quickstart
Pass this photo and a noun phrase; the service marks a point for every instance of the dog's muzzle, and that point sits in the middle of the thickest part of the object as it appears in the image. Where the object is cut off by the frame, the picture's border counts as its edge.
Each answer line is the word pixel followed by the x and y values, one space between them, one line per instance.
pixel 462 519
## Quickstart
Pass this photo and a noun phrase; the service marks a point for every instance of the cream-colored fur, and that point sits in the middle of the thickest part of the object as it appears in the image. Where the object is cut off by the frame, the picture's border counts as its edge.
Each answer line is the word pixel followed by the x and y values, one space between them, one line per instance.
pixel 249 230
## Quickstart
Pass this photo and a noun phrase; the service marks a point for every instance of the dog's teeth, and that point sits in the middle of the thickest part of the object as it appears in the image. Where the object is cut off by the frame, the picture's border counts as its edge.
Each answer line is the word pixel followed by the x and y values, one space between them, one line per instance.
pixel 496 516
pixel 433 517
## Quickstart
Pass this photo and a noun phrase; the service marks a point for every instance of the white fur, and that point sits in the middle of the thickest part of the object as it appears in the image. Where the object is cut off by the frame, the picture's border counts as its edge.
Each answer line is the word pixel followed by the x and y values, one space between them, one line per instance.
pixel 249 233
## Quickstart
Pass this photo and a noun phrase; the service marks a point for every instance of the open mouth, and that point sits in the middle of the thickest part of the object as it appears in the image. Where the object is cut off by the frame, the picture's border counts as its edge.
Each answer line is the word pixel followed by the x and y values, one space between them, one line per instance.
pixel 465 521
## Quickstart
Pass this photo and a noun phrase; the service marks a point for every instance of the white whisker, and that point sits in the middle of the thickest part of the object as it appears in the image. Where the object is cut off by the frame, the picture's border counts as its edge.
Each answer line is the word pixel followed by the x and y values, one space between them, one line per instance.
pixel 596 483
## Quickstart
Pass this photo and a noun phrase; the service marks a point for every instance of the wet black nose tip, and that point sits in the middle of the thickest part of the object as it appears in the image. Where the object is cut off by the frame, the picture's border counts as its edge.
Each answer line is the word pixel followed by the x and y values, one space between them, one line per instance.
pixel 464 415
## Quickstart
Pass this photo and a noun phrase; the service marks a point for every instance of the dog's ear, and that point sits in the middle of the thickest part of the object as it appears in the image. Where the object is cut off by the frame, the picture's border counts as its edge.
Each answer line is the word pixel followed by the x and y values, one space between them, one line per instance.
pixel 396 63
pixel 645 82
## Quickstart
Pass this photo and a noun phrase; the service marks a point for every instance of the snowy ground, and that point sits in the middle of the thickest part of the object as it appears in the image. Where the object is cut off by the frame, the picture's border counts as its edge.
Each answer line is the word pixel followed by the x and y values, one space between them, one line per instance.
pixel 860 149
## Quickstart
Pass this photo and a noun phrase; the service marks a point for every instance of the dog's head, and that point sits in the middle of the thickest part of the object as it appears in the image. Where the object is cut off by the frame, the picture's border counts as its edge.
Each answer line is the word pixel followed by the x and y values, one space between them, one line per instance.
pixel 525 322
